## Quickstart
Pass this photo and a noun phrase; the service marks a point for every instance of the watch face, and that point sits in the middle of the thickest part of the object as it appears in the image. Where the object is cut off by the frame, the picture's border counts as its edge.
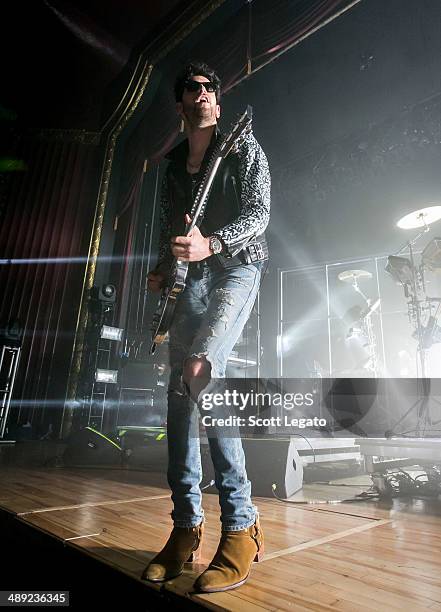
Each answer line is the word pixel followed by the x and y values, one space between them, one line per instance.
pixel 215 245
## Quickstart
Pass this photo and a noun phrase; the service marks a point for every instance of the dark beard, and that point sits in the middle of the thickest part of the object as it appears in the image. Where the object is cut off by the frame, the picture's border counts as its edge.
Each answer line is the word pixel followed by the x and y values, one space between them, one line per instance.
pixel 199 117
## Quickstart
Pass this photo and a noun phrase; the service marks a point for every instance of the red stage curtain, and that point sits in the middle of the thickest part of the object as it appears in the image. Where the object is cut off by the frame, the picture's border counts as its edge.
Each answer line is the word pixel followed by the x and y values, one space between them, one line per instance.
pixel 49 215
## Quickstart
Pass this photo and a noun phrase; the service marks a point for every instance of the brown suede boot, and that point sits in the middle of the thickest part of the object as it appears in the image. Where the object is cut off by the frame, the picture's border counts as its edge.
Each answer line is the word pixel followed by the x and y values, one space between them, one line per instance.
pixel 183 545
pixel 231 564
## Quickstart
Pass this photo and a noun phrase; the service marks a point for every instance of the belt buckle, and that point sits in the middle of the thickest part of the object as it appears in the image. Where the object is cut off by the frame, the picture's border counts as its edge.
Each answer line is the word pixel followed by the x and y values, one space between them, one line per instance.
pixel 256 252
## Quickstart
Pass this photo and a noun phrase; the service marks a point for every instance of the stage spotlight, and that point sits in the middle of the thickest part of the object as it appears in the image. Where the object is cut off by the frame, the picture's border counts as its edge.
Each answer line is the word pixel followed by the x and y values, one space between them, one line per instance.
pixel 105 293
pixel 109 291
pixel 106 376
pixel 431 256
pixel 400 269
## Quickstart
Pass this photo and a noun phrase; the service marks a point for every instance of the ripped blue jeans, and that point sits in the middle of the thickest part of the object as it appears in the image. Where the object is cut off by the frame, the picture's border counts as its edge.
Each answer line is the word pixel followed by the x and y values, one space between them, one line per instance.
pixel 209 318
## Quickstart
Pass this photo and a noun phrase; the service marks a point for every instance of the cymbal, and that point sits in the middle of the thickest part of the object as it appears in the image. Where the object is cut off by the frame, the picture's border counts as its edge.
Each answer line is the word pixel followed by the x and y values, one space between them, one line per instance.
pixel 348 276
pixel 420 218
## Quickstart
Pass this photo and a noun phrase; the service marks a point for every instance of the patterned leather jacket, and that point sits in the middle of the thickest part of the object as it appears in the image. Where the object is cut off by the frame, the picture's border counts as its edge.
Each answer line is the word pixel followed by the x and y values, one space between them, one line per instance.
pixel 238 208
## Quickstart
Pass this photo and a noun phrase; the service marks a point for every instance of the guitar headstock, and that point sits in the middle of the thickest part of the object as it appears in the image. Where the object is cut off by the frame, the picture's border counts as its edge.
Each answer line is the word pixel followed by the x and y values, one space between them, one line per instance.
pixel 237 132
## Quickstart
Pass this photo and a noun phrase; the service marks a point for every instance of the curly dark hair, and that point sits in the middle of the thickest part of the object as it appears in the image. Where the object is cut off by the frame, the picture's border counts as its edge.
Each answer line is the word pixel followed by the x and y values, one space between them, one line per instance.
pixel 196 69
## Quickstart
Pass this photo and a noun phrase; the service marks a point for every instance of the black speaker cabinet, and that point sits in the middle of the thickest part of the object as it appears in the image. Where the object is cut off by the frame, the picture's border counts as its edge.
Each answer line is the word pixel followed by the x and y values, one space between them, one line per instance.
pixel 90 447
pixel 268 461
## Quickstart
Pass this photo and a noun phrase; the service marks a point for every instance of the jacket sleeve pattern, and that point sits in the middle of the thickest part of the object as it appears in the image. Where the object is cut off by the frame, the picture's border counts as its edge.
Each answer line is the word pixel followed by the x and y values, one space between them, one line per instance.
pixel 255 195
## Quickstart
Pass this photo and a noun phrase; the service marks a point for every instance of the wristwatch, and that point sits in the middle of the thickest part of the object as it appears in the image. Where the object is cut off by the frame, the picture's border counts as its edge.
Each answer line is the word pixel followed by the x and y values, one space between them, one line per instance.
pixel 215 245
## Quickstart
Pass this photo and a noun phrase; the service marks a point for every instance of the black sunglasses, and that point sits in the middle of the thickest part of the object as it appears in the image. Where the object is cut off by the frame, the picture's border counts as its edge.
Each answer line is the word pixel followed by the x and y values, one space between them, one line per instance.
pixel 196 86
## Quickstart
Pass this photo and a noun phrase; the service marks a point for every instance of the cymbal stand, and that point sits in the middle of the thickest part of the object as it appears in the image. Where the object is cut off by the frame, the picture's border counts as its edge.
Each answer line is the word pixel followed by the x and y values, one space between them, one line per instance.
pixel 369 332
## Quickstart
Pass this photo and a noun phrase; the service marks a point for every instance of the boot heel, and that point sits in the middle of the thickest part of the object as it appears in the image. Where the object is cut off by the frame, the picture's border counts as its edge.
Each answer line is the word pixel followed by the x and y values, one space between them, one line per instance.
pixel 259 555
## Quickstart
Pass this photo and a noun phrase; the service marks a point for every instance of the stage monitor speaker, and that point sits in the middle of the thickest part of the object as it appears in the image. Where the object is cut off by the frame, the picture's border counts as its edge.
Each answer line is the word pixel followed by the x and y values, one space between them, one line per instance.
pixel 273 460
pixel 268 461
pixel 90 447
pixel 145 447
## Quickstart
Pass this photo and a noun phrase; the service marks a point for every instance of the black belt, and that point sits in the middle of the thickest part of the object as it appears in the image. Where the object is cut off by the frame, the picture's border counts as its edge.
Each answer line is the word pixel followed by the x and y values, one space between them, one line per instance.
pixel 253 252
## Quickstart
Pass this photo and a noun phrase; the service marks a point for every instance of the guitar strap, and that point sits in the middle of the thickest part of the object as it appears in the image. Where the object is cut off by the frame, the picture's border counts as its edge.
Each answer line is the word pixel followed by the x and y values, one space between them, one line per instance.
pixel 214 155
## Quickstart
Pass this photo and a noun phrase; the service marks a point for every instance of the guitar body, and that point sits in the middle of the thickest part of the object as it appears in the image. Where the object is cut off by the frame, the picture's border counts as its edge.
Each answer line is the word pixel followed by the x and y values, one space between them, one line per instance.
pixel 163 316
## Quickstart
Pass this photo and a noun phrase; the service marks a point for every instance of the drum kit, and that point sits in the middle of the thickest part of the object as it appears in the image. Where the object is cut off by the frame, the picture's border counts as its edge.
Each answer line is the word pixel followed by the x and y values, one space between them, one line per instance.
pixel 422 309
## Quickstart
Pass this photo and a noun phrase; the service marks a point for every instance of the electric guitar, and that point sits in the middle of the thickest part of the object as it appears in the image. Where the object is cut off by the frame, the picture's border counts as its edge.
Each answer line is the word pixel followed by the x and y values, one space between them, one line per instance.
pixel 163 316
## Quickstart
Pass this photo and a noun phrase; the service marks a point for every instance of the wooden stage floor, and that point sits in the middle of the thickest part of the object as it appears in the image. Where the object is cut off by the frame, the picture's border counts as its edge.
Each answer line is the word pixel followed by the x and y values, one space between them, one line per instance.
pixel 348 557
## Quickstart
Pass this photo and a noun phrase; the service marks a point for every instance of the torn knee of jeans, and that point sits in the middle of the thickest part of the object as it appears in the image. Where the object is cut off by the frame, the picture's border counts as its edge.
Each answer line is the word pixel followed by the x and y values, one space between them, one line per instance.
pixel 194 383
pixel 195 358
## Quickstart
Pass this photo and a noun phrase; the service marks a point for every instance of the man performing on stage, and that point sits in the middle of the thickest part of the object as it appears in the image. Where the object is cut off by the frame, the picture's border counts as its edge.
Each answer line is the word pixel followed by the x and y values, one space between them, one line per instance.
pixel 226 255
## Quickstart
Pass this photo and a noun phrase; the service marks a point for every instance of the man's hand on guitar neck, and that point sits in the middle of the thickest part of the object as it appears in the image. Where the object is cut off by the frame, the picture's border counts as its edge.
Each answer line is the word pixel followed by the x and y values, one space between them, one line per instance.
pixel 193 247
